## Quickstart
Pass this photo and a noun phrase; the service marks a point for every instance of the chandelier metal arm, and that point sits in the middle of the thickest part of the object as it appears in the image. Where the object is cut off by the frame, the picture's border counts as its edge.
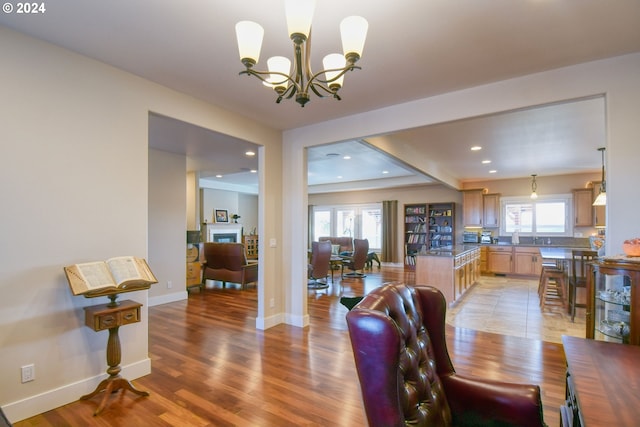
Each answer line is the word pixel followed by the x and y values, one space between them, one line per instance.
pixel 302 79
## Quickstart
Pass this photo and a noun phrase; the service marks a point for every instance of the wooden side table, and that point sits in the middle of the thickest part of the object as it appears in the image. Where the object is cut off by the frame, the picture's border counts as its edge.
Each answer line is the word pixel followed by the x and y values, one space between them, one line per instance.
pixel 111 316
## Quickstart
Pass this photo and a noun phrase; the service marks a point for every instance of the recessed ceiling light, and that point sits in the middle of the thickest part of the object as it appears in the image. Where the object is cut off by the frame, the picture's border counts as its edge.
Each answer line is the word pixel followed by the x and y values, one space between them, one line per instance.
pixel 254 171
pixel 218 176
pixel 493 171
pixel 385 172
pixel 486 162
pixel 339 176
pixel 250 153
pixel 347 157
pixel 476 148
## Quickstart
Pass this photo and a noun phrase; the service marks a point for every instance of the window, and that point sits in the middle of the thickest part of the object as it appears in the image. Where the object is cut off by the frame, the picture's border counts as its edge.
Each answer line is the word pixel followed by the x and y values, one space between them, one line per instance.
pixel 546 215
pixel 356 221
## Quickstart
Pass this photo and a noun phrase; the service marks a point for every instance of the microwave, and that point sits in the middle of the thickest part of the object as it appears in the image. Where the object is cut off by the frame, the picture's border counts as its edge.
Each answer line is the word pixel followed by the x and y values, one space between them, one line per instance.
pixel 470 237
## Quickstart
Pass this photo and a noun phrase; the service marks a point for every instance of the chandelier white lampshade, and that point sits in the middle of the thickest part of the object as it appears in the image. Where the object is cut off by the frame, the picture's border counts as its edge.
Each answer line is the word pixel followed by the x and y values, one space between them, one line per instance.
pixel 278 64
pixel 302 81
pixel 353 31
pixel 249 35
pixel 334 61
pixel 299 15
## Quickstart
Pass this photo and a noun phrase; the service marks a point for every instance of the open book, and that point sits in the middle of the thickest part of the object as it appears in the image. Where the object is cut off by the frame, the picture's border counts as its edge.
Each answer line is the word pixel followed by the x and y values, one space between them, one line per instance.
pixel 124 273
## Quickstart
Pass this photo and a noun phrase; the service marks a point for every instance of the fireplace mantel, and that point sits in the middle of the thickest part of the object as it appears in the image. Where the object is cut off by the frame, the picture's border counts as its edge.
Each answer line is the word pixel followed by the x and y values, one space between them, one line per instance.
pixel 211 229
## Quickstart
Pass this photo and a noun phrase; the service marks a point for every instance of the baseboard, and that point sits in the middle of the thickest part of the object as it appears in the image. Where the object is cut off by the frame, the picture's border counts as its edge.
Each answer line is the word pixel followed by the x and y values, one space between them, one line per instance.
pixel 263 323
pixel 43 402
pixel 300 321
pixel 166 299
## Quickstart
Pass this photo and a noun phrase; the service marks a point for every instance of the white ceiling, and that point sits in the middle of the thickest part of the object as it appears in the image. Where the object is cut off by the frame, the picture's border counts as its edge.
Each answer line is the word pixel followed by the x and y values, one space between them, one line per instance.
pixel 414 49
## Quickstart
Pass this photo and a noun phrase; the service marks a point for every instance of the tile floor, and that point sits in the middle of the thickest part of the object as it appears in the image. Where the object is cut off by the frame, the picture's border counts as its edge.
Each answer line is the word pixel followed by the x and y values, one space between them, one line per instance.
pixel 510 306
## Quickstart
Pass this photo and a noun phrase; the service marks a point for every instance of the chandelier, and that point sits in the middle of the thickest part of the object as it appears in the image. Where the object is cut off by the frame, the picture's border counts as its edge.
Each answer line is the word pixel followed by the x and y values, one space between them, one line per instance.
pixel 302 80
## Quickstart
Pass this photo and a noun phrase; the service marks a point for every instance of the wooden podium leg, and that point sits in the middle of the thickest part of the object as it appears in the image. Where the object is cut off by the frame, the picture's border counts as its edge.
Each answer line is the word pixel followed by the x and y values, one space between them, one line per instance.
pixel 115 382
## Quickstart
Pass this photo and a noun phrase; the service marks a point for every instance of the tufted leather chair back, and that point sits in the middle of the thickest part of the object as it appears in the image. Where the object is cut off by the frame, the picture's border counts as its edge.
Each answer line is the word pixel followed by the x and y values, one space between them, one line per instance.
pixel 399 361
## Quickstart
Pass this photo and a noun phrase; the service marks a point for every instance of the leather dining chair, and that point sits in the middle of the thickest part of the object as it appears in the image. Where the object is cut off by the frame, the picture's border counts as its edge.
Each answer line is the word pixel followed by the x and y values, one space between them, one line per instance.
pixel 358 260
pixel 578 278
pixel 319 264
pixel 406 376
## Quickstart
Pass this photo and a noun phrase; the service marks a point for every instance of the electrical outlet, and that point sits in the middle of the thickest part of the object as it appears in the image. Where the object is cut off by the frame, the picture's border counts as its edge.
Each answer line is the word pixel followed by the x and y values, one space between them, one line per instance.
pixel 272 303
pixel 169 284
pixel 28 373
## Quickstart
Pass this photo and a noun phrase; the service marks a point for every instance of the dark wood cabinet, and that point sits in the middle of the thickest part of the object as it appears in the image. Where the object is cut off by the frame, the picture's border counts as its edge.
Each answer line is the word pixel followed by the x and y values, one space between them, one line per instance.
pixel 613 300
pixel 427 226
pixel 602 386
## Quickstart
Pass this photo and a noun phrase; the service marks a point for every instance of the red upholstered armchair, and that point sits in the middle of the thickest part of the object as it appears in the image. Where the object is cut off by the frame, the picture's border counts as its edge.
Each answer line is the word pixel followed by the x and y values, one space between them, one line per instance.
pixel 227 262
pixel 406 376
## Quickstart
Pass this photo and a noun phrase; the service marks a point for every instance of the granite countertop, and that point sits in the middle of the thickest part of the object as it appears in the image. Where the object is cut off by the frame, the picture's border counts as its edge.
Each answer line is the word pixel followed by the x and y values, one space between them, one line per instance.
pixel 449 251
pixel 537 245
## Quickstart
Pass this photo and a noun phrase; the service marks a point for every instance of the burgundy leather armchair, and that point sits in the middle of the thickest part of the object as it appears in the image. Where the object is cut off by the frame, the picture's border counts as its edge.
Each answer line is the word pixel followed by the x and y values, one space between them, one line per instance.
pixel 406 376
pixel 227 262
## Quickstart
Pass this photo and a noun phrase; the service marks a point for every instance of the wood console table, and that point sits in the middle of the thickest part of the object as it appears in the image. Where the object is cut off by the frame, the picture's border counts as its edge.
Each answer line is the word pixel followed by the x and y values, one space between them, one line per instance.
pixel 111 316
pixel 603 379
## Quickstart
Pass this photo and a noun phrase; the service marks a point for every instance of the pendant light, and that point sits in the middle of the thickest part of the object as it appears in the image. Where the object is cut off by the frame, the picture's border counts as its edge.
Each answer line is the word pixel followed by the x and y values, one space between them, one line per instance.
pixel 534 187
pixel 601 200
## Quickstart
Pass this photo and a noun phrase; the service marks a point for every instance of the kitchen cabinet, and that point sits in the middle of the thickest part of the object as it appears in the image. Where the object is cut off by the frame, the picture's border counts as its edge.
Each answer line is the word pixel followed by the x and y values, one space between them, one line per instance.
pixel 528 261
pixel 613 300
pixel 472 207
pixel 500 259
pixel 484 267
pixel 452 271
pixel 491 210
pixel 583 207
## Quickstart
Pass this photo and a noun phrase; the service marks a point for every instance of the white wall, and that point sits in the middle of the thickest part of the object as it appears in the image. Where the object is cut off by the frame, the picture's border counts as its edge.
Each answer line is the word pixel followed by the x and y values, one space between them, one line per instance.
pixel 74 188
pixel 248 209
pixel 167 240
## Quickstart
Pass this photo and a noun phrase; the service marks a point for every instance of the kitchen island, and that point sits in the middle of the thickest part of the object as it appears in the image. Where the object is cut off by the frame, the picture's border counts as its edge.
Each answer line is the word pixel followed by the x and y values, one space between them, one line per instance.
pixel 453 270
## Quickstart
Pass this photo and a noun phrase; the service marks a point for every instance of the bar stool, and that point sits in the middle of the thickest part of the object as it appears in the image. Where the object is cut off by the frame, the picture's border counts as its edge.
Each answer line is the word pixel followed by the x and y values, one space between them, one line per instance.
pixel 552 287
pixel 578 279
pixel 545 266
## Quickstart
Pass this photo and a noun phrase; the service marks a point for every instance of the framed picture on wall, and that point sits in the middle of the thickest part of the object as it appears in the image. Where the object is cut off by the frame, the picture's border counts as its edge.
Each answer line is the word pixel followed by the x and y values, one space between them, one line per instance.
pixel 221 215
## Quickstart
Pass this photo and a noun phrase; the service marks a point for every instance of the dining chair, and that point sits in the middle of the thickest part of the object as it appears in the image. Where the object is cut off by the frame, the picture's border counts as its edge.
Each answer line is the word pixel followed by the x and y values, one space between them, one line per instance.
pixel 578 279
pixel 319 265
pixel 358 260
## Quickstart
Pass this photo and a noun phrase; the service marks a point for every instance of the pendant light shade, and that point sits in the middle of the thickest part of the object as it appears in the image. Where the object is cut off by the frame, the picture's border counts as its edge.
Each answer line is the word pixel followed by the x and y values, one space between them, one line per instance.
pixel 534 187
pixel 601 200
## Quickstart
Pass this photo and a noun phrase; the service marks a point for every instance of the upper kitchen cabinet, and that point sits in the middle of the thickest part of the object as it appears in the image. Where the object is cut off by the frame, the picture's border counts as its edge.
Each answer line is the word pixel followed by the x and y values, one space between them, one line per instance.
pixel 472 207
pixel 583 207
pixel 491 210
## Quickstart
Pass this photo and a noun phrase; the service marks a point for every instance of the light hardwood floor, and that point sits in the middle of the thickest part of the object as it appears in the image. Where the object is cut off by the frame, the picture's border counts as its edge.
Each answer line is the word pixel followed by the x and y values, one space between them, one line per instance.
pixel 211 367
